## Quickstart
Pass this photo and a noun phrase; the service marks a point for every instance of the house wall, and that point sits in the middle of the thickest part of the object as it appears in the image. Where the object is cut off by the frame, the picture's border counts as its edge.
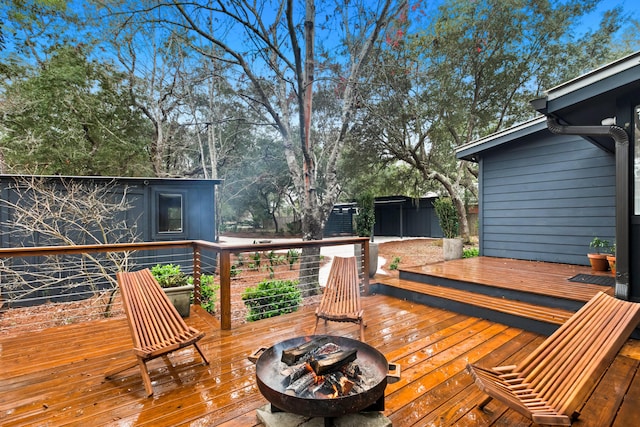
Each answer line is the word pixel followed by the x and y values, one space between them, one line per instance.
pixel 545 197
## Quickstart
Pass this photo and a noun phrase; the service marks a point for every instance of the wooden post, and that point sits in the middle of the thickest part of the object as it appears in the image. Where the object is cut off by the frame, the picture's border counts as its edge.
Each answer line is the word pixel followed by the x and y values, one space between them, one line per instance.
pixel 225 290
pixel 197 271
pixel 365 263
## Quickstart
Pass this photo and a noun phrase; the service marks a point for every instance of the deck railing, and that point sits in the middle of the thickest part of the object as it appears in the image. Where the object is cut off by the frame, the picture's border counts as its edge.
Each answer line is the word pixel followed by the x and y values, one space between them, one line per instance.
pixel 77 283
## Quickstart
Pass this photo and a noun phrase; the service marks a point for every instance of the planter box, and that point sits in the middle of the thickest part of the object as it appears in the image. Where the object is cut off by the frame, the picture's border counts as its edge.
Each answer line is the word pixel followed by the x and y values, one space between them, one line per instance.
pixel 180 297
pixel 452 249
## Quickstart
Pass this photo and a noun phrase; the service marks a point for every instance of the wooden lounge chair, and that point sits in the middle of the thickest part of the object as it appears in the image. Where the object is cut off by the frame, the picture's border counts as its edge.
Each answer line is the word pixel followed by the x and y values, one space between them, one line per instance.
pixel 156 326
pixel 341 299
pixel 552 383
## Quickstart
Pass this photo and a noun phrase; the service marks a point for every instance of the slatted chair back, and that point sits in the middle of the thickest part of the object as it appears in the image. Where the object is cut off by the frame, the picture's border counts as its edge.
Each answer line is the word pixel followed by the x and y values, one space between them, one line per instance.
pixel 553 382
pixel 341 299
pixel 156 326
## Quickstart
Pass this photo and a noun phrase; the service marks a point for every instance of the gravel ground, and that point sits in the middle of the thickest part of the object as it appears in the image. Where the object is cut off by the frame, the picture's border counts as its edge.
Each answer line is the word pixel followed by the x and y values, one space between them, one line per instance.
pixel 411 251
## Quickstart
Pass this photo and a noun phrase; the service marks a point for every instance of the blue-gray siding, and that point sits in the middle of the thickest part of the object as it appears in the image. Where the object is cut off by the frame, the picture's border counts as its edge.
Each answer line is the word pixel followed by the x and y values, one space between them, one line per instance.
pixel 545 197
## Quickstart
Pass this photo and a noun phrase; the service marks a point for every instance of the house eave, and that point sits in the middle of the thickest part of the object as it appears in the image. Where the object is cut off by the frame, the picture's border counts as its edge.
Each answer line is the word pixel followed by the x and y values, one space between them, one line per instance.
pixel 471 150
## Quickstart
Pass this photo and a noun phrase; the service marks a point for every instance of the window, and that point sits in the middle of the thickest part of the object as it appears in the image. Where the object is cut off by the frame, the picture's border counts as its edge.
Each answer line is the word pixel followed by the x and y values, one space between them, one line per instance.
pixel 636 159
pixel 170 213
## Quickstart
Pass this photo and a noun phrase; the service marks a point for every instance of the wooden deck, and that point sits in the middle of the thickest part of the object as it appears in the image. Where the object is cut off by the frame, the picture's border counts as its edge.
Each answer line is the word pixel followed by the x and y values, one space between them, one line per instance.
pixel 536 296
pixel 55 376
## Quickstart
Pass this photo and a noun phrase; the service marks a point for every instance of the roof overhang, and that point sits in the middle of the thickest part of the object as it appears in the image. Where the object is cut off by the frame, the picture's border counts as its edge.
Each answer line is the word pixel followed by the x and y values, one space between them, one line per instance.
pixel 471 150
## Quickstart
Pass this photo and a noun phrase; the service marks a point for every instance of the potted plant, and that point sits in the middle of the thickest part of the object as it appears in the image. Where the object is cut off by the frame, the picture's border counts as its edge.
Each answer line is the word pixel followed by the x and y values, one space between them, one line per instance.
pixel 598 259
pixel 611 259
pixel 365 221
pixel 448 219
pixel 176 285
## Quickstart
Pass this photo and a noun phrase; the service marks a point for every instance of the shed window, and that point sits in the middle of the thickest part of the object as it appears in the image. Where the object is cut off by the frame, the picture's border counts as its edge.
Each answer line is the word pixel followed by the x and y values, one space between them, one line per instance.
pixel 636 160
pixel 170 213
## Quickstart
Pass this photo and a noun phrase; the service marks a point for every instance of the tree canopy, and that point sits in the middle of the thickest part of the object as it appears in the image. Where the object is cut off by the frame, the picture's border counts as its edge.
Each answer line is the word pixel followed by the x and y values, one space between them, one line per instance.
pixel 284 100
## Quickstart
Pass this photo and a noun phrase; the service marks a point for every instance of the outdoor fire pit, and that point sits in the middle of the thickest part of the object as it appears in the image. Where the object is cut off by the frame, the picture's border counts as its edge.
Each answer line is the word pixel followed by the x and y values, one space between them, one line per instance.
pixel 323 376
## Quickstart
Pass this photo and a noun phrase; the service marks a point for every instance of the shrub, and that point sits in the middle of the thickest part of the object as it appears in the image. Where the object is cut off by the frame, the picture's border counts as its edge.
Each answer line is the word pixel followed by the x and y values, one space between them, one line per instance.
pixel 366 219
pixel 447 216
pixel 394 263
pixel 292 257
pixel 169 275
pixel 470 252
pixel 208 292
pixel 271 298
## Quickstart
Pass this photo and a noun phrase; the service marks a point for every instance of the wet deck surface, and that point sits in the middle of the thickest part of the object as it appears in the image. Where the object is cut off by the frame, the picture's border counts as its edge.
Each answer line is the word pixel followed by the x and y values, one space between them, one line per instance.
pixel 55 376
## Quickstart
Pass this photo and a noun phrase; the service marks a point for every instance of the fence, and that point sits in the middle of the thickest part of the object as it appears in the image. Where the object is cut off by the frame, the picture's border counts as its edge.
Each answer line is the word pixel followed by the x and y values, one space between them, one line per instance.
pixel 50 286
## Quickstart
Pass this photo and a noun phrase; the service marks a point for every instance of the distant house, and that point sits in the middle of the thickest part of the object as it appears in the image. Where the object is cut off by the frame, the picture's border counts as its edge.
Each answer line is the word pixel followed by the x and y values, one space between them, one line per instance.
pixel 161 208
pixel 399 216
pixel 154 209
pixel 547 187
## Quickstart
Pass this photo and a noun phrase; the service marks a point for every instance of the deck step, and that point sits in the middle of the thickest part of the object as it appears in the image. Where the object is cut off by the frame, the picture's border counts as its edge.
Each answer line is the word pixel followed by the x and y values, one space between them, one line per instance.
pixel 536 318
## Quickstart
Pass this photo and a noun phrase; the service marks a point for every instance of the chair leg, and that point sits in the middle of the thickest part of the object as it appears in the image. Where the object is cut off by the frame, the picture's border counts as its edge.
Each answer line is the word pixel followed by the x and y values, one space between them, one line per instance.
pixel 145 377
pixel 316 327
pixel 204 358
pixel 362 325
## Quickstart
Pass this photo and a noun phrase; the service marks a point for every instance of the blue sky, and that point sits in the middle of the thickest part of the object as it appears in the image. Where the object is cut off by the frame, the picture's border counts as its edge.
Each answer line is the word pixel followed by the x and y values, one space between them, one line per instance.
pixel 630 7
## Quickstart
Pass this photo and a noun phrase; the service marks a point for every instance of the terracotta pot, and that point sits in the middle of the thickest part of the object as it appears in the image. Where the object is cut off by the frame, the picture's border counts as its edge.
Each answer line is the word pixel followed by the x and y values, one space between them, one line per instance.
pixel 611 259
pixel 598 262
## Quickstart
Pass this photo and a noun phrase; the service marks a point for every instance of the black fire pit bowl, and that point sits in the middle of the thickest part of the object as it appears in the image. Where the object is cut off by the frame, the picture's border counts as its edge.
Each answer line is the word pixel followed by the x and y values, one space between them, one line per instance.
pixel 269 380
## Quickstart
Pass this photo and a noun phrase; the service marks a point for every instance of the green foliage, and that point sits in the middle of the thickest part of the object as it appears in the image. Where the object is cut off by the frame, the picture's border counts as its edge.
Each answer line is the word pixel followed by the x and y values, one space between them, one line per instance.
pixel 208 292
pixel 292 257
pixel 271 298
pixel 394 263
pixel 601 246
pixel 235 271
pixel 72 116
pixel 169 275
pixel 470 252
pixel 366 216
pixel 447 216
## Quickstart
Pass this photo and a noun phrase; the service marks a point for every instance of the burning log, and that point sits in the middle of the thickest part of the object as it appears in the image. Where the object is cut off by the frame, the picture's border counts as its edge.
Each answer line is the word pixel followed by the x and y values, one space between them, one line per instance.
pixel 333 361
pixel 301 384
pixel 292 355
pixel 340 383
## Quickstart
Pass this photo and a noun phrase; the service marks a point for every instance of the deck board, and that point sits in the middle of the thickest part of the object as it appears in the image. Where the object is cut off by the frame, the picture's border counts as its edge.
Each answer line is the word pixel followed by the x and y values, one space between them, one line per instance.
pixel 55 377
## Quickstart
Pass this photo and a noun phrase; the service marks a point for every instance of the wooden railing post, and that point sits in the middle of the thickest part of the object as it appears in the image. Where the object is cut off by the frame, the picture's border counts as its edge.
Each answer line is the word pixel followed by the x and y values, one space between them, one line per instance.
pixel 225 290
pixel 197 271
pixel 365 275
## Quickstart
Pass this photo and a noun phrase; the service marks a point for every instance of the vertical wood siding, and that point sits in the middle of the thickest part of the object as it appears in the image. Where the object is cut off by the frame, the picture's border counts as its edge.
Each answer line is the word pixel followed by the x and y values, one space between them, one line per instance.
pixel 545 197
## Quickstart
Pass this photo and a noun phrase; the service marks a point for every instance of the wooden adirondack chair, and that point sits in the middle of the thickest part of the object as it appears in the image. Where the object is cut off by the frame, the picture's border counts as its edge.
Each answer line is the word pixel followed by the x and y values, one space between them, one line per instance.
pixel 553 382
pixel 341 299
pixel 156 326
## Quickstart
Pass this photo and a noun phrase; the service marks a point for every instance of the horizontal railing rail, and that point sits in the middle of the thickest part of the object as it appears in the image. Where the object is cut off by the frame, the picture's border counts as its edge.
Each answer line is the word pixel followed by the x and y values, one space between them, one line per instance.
pixel 100 262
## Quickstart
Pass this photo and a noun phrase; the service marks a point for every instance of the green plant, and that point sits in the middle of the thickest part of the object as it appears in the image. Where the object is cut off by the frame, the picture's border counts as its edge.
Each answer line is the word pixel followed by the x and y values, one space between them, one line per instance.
pixel 169 275
pixel 208 292
pixel 234 271
pixel 271 298
pixel 447 216
pixel 470 252
pixel 394 263
pixel 292 257
pixel 366 218
pixel 600 246
pixel 257 259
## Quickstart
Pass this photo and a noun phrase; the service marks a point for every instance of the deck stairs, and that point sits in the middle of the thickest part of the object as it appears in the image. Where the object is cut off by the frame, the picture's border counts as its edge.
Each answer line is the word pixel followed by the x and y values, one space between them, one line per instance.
pixel 534 296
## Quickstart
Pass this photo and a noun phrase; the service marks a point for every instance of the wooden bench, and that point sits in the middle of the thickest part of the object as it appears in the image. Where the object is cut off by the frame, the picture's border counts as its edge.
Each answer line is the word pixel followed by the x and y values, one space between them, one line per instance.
pixel 341 299
pixel 156 326
pixel 552 383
